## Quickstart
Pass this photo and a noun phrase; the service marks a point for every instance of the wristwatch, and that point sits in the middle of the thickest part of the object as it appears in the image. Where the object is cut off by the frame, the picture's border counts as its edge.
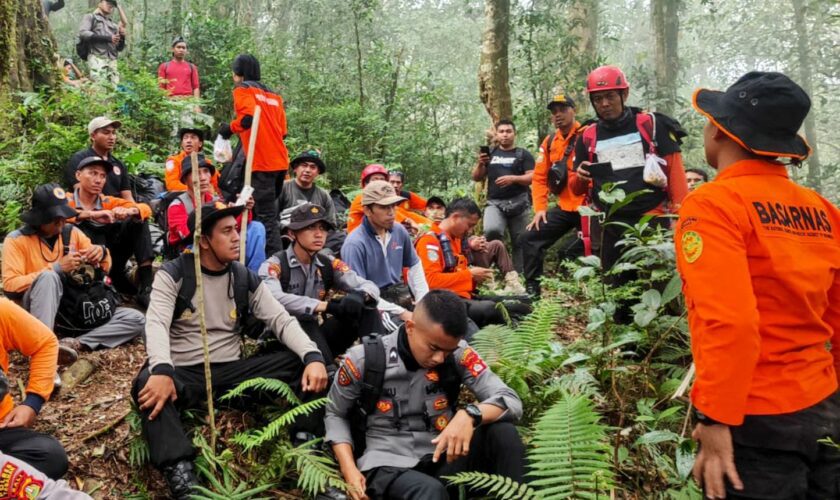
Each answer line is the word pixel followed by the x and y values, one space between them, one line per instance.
pixel 474 412
pixel 704 419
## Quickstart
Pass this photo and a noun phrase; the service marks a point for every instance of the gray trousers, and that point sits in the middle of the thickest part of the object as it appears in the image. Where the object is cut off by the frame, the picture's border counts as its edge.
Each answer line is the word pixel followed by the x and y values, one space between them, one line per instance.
pixel 42 298
pixel 495 224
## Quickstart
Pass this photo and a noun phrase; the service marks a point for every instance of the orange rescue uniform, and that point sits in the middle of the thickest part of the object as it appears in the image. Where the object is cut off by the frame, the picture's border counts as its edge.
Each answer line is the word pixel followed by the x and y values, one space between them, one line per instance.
pixel 173 174
pixel 459 280
pixel 356 212
pixel 413 201
pixel 110 203
pixel 567 200
pixel 271 154
pixel 760 261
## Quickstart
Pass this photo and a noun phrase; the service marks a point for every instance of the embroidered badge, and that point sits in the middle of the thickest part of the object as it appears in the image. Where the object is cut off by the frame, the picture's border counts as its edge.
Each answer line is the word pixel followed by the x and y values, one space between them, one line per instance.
pixel 441 403
pixel 117 170
pixel 340 266
pixel 432 376
pixel 473 362
pixel 232 314
pixel 343 378
pixel 59 193
pixel 314 210
pixel 441 422
pixel 432 255
pixel 687 222
pixel 384 406
pixel 393 357
pixel 274 270
pixel 348 363
pixel 692 246
pixel 170 166
pixel 6 475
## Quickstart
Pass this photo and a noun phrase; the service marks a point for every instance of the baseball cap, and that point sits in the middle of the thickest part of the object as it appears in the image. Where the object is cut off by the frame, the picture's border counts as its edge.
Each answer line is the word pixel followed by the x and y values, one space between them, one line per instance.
pixel 380 193
pixel 102 122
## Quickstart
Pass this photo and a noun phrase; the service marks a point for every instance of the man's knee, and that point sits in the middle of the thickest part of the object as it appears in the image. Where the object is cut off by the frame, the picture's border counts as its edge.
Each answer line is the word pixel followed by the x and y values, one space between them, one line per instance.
pixel 47 455
pixel 48 282
pixel 503 436
pixel 139 383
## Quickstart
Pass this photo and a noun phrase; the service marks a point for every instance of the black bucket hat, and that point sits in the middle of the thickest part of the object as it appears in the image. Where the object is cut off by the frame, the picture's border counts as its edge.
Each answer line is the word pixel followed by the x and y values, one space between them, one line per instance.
pixel 211 213
pixel 306 215
pixel 200 132
pixel 203 162
pixel 436 199
pixel 49 202
pixel 762 112
pixel 312 155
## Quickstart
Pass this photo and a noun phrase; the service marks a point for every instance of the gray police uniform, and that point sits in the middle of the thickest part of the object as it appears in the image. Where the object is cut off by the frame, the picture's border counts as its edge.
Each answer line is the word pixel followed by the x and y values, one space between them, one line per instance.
pixel 413 410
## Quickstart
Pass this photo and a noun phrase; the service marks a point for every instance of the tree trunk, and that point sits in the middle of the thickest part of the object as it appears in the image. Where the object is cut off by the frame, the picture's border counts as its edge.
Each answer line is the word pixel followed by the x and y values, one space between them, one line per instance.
pixel 583 26
pixel 26 47
pixel 493 76
pixel 360 75
pixel 390 103
pixel 176 18
pixel 805 80
pixel 665 20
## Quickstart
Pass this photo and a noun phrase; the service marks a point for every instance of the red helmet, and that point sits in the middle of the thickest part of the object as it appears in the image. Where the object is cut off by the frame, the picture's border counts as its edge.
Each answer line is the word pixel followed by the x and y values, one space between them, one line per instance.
pixel 606 78
pixel 373 168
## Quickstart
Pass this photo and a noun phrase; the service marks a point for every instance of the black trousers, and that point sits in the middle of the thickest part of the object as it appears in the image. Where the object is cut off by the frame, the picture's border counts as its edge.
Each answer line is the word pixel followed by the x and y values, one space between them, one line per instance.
pixel 779 456
pixel 535 243
pixel 123 240
pixel 267 186
pixel 168 442
pixel 41 451
pixel 494 449
pixel 484 309
pixel 337 333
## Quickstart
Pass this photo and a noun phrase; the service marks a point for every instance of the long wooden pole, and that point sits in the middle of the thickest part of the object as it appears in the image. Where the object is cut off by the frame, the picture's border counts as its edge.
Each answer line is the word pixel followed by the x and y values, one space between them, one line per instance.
pixel 199 291
pixel 249 166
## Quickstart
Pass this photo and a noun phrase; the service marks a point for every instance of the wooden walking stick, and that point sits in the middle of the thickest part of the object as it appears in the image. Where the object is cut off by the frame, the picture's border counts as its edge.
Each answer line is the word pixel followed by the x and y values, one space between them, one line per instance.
pixel 249 166
pixel 199 291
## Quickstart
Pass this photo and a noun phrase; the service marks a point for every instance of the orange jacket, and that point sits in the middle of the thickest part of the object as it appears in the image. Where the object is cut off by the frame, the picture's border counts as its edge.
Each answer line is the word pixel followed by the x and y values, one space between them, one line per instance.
pixel 20 331
pixel 173 174
pixel 760 261
pixel 356 212
pixel 428 248
pixel 413 202
pixel 271 154
pixel 25 256
pixel 110 203
pixel 567 200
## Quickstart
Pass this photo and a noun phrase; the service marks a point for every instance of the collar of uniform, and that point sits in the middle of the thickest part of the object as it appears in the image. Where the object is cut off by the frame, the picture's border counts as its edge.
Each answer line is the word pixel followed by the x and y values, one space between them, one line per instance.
pixel 753 167
pixel 220 272
pixel 404 350
pixel 369 227
pixel 78 201
pixel 572 132
pixel 293 259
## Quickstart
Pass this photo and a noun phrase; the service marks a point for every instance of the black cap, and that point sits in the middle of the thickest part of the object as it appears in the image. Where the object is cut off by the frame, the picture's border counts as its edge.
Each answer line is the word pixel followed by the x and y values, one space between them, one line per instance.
pixel 186 165
pixel 436 199
pixel 178 39
pixel 312 155
pixel 49 202
pixel 306 215
pixel 761 111
pixel 211 213
pixel 561 100
pixel 91 161
pixel 200 132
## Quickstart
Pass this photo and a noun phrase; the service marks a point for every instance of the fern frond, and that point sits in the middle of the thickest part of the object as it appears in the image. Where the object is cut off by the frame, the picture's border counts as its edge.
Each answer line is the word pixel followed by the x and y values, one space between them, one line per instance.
pixel 316 470
pixel 570 457
pixel 500 487
pixel 530 341
pixel 253 439
pixel 490 342
pixel 263 384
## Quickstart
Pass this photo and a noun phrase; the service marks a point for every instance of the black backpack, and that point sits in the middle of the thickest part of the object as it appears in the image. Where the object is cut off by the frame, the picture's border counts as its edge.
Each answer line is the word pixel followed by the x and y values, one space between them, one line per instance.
pixel 558 172
pixel 82 46
pixel 285 272
pixel 160 210
pixel 87 302
pixel 232 177
pixel 373 380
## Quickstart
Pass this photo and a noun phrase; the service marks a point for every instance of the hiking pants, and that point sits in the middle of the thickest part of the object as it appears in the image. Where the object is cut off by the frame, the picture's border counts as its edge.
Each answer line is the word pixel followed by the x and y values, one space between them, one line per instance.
pixel 484 310
pixel 496 254
pixel 337 333
pixel 267 186
pixel 41 451
pixel 123 240
pixel 496 223
pixel 43 297
pixel 168 442
pixel 494 449
pixel 534 243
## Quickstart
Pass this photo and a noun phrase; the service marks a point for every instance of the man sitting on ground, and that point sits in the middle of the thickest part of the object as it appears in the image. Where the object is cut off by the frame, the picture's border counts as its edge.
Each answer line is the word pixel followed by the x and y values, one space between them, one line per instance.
pixel 38 262
pixel 414 422
pixel 192 139
pixel 447 267
pixel 379 252
pixel 175 368
pixel 301 278
pixel 179 235
pixel 103 138
pixel 121 225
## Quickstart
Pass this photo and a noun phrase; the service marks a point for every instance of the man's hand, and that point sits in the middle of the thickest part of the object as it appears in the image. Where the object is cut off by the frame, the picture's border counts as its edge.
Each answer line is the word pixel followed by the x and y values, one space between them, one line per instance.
pixel 115 39
pixel 481 274
pixel 123 213
pixel 356 481
pixel 158 390
pixel 70 262
pixel 535 224
pixel 478 243
pixel 484 158
pixel 582 172
pixel 505 180
pixel 93 254
pixel 716 460
pixel 20 416
pixel 314 377
pixel 102 216
pixel 406 315
pixel 455 438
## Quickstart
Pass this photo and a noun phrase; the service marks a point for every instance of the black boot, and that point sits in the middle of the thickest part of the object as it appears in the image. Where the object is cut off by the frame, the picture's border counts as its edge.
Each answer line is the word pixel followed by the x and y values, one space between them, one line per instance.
pixel 181 479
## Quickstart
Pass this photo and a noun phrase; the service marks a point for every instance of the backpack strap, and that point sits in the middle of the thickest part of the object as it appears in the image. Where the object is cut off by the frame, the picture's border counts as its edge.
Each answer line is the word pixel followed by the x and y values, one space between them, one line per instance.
pixel 590 140
pixel 285 270
pixel 244 282
pixel 66 233
pixel 646 123
pixel 374 376
pixel 548 147
pixel 182 269
pixel 327 272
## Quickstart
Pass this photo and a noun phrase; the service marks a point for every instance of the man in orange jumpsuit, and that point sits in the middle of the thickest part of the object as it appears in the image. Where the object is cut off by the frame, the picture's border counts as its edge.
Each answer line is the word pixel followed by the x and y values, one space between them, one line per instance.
pixel 404 216
pixel 760 259
pixel 192 139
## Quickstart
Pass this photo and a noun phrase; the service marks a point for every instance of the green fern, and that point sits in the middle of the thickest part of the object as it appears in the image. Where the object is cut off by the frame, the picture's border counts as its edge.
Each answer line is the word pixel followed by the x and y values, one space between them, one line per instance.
pixel 263 384
pixel 138 448
pixel 570 457
pixel 500 487
pixel 316 470
pixel 226 489
pixel 254 439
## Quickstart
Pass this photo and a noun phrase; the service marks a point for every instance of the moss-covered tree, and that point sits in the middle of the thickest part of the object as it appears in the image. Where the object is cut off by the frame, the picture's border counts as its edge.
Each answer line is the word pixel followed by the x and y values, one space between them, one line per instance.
pixel 26 47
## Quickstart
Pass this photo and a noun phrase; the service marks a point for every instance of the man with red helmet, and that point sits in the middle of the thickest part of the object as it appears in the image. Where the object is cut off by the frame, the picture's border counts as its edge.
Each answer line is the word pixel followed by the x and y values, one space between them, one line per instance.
pixel 627 138
pixel 378 172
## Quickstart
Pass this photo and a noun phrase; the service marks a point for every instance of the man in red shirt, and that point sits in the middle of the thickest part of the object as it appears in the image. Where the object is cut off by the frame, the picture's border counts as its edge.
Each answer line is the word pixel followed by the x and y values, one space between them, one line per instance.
pixel 179 77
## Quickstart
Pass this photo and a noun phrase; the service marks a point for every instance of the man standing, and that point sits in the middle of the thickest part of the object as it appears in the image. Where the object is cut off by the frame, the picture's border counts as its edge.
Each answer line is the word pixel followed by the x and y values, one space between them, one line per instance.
pixel 178 76
pixel 122 226
pixel 760 260
pixel 508 171
pixel 415 433
pixel 271 159
pixel 549 225
pixel 103 138
pixel 380 250
pixel 175 370
pixel 104 39
pixel 192 139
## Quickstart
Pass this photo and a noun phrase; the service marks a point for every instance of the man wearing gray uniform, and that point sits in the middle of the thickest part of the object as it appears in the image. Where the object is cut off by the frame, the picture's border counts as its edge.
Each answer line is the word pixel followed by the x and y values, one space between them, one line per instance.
pixel 414 423
pixel 301 277
pixel 175 371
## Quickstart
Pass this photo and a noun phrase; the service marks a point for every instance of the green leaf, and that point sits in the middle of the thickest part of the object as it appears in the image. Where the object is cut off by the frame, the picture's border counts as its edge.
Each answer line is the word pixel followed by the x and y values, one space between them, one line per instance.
pixel 672 289
pixel 652 299
pixel 596 319
pixel 685 458
pixel 587 211
pixel 591 260
pixel 655 437
pixel 583 272
pixel 644 317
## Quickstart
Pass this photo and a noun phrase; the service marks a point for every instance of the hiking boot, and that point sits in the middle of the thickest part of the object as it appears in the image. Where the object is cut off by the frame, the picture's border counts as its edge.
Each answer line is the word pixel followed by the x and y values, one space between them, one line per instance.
pixel 66 354
pixel 533 290
pixel 512 284
pixel 181 479
pixel 331 493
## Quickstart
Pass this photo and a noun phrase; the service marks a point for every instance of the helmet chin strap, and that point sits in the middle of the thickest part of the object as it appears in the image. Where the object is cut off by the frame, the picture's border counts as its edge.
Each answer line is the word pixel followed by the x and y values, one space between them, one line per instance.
pixel 306 250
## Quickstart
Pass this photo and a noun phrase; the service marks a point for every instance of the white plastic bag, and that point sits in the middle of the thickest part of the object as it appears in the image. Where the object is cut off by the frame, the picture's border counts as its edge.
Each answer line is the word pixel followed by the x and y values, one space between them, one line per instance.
pixel 222 152
pixel 653 174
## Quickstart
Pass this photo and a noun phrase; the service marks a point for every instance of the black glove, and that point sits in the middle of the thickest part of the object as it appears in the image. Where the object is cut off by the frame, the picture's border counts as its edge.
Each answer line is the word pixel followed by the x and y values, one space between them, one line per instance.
pixel 247 121
pixel 353 303
pixel 225 131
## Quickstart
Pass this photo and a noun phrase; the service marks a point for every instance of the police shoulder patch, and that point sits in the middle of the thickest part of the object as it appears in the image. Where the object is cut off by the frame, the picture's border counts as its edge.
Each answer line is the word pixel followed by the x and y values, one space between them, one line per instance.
pixel 340 266
pixel 692 246
pixel 384 406
pixel 472 361
pixel 441 403
pixel 343 378
pixel 352 368
pixel 274 270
